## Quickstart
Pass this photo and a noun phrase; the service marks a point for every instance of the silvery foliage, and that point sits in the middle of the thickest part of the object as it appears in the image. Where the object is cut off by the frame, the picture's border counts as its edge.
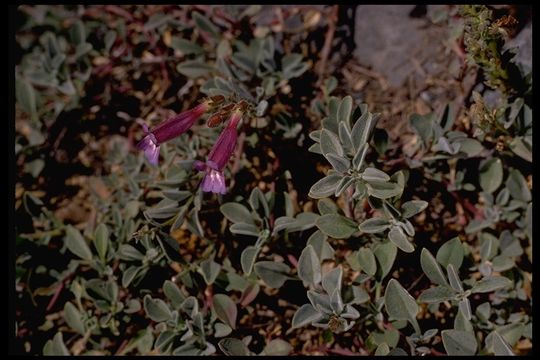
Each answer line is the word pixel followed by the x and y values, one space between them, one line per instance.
pixel 344 141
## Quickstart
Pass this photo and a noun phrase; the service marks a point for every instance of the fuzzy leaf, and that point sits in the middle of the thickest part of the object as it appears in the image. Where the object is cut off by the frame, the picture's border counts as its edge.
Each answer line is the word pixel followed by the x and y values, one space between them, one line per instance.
pixel 225 309
pixel 309 266
pixel 173 293
pixel 332 280
pixel 432 269
pixel 398 237
pixel 458 342
pixel 74 318
pixel 451 252
pixel 305 315
pixel 436 295
pixel 367 262
pixel 156 309
pixel 330 143
pixel 491 284
pixel 76 243
pixel 374 225
pixel 247 259
pixel 237 213
pixel 272 273
pixel 413 207
pixel 374 175
pixel 399 304
pixel 491 175
pixel 325 186
pixel 336 226
pixel 233 347
pixel 209 270
pixel 101 241
pixel 386 255
pixel 277 347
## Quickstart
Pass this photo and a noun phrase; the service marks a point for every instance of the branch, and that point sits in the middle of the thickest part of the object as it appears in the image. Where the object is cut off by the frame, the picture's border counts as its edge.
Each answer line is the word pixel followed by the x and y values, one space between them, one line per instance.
pixel 327 42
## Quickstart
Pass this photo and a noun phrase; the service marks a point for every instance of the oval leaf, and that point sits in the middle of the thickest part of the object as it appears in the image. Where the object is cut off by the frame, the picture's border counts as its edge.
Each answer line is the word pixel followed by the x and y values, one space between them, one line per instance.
pixel 76 243
pixel 366 260
pixel 491 175
pixel 309 266
pixel 399 304
pixel 374 225
pixel 325 187
pixel 156 309
pixel 398 237
pixel 336 226
pixel 451 252
pixel 305 315
pixel 491 284
pixel 458 342
pixel 432 269
pixel 272 273
pixel 225 309
pixel 237 213
pixel 247 259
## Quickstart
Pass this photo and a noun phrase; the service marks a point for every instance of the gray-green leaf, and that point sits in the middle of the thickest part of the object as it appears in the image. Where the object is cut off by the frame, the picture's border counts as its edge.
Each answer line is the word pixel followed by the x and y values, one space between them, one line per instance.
pixel 517 185
pixel 458 342
pixel 309 266
pixel 277 347
pixel 336 226
pixel 398 237
pixel 491 175
pixel 76 243
pixel 209 270
pixel 305 315
pixel 332 280
pixel 233 347
pixel 74 318
pixel 491 284
pixel 225 309
pixel 247 259
pixel 56 346
pixel 366 260
pixel 432 269
pixel 386 255
pixel 325 186
pixel 453 278
pixel 173 293
pixel 436 295
pixel 156 309
pixel 272 273
pixel 237 213
pixel 399 304
pixel 374 225
pixel 451 252
pixel 375 175
pixel 101 241
pixel 413 207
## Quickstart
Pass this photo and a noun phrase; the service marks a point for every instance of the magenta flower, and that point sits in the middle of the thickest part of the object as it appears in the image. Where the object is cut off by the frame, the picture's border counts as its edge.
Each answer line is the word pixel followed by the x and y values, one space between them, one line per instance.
pixel 168 130
pixel 214 180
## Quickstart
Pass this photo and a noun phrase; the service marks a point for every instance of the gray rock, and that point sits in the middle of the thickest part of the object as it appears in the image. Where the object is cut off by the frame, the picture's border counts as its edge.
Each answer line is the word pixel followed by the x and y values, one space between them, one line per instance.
pixel 523 43
pixel 386 38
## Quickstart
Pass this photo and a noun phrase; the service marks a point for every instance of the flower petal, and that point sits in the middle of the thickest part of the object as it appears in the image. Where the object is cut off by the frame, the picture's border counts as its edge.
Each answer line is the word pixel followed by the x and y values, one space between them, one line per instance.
pixel 214 181
pixel 151 150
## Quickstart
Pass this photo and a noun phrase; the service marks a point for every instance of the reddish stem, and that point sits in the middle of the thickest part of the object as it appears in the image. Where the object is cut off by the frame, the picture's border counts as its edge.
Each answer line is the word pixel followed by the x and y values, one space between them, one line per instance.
pixel 292 260
pixel 57 292
pixel 119 11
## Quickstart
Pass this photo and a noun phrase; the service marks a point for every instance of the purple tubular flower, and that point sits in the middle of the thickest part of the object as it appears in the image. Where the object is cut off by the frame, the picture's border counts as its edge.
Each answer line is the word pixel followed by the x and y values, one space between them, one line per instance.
pixel 168 130
pixel 214 180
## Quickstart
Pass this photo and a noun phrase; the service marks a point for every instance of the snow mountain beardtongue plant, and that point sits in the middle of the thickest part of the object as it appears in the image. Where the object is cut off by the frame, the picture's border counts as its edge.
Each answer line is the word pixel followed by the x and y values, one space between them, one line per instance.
pixel 214 179
pixel 172 128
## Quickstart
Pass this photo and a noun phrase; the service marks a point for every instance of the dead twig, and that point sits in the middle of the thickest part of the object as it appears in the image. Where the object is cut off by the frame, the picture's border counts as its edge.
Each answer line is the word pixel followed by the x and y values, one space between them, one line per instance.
pixel 327 43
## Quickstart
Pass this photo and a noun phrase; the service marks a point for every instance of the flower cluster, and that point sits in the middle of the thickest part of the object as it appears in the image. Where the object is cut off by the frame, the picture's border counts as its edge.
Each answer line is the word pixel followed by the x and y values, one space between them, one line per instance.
pixel 214 179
